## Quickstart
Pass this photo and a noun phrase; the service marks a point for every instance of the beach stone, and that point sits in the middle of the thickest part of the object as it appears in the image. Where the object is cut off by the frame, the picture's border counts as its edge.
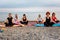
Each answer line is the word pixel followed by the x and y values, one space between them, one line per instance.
pixel 31 33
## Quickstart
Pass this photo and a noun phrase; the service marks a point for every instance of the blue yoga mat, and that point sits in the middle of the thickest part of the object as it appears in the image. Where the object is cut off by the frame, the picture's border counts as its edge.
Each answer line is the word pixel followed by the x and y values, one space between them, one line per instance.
pixel 56 25
pixel 39 25
pixel 42 25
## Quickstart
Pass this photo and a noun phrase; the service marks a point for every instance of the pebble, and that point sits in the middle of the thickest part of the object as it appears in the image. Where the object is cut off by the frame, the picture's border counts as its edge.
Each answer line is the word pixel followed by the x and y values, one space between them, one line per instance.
pixel 30 33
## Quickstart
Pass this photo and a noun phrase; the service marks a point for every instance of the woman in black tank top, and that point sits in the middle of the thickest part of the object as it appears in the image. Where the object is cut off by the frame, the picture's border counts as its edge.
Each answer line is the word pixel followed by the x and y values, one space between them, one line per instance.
pixel 48 20
pixel 9 20
pixel 24 20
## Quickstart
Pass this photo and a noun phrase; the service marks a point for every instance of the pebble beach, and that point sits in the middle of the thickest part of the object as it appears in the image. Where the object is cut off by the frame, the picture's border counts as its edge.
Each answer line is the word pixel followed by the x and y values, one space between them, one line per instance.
pixel 30 33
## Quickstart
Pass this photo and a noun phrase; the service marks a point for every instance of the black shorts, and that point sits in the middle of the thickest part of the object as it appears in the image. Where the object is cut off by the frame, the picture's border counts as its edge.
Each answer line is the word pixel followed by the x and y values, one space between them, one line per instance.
pixel 24 22
pixel 7 24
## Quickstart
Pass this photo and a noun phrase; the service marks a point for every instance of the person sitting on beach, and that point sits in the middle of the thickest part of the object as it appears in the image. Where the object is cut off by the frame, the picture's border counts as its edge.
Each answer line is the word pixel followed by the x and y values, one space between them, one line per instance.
pixel 9 21
pixel 16 21
pixel 39 19
pixel 48 20
pixel 24 20
pixel 54 19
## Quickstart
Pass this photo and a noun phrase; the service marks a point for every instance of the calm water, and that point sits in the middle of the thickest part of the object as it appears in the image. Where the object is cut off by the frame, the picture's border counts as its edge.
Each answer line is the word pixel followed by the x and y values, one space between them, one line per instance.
pixel 30 15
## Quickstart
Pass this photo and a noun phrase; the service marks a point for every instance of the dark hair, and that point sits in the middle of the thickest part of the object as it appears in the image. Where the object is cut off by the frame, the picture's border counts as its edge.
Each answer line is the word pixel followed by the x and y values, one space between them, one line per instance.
pixel 16 16
pixel 53 13
pixel 47 13
pixel 24 14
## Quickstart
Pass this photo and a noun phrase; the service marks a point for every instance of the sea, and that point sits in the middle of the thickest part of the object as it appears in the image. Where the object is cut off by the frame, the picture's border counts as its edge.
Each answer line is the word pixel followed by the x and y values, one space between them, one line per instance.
pixel 31 13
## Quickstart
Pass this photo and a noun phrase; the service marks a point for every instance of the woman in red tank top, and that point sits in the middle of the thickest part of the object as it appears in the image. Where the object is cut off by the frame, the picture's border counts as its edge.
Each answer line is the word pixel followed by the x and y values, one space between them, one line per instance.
pixel 54 19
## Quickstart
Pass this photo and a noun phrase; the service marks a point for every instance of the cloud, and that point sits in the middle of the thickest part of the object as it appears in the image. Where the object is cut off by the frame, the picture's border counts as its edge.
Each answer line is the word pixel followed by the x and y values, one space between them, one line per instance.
pixel 28 3
pixel 31 9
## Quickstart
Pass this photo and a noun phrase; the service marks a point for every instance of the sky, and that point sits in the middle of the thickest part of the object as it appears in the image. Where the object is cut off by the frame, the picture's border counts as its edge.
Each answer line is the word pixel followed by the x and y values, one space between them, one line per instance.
pixel 30 6
pixel 29 3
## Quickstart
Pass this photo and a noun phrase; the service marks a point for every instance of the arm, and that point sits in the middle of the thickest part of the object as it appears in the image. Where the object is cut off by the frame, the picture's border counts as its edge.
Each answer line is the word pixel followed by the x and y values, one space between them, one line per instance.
pixel 52 20
pixel 56 19
pixel 12 20
pixel 6 21
pixel 44 19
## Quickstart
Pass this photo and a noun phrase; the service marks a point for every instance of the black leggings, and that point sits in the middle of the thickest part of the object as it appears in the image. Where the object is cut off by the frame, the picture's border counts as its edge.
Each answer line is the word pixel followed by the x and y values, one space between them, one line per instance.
pixel 24 22
pixel 48 23
pixel 57 21
pixel 7 24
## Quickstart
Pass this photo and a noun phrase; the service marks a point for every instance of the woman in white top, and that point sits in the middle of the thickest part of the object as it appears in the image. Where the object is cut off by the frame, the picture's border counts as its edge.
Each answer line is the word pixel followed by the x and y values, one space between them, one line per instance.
pixel 16 21
pixel 39 19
